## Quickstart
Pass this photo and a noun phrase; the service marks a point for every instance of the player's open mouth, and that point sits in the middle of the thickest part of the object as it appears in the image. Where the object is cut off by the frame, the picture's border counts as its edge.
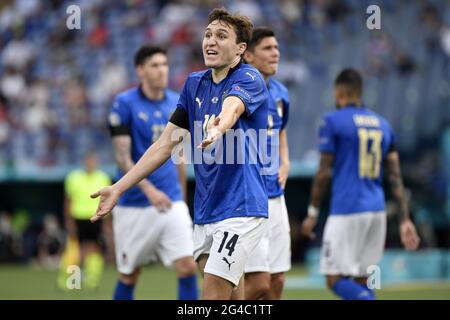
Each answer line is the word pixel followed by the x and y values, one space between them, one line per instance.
pixel 211 52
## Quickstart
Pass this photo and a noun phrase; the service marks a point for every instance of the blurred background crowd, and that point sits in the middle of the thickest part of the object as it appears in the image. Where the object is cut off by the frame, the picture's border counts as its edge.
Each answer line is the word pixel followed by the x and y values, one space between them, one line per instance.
pixel 56 87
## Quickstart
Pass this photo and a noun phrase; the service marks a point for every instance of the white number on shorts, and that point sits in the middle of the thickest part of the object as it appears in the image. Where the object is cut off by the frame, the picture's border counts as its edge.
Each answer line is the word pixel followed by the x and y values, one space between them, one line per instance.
pixel 230 245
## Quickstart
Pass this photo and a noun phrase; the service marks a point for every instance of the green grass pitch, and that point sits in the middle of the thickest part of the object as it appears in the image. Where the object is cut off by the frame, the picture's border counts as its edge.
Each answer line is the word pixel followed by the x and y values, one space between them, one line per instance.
pixel 24 282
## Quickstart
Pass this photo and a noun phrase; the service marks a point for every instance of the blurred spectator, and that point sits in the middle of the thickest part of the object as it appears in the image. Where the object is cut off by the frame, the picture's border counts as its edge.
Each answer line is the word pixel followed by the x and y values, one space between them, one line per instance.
pixel 431 25
pixel 12 84
pixel 76 103
pixel 4 128
pixel 291 10
pixel 10 240
pixel 50 242
pixel 112 78
pixel 404 63
pixel 249 8
pixel 379 54
pixel 18 54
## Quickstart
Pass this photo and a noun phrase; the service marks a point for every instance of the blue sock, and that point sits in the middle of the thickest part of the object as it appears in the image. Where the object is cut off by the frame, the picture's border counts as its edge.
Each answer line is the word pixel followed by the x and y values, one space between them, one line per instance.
pixel 124 291
pixel 187 288
pixel 372 292
pixel 348 289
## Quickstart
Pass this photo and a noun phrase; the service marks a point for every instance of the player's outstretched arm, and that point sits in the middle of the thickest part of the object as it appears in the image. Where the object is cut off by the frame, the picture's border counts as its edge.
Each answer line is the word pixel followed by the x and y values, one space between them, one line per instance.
pixel 122 155
pixel 232 109
pixel 408 233
pixel 318 190
pixel 152 159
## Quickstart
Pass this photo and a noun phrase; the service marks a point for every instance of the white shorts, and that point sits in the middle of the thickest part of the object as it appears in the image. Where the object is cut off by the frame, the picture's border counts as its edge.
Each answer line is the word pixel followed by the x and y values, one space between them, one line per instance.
pixel 228 243
pixel 353 242
pixel 142 234
pixel 273 253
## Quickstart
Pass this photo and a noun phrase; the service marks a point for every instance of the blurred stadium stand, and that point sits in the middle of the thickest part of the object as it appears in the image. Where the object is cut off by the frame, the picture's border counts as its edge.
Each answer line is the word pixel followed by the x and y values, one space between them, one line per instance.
pixel 56 86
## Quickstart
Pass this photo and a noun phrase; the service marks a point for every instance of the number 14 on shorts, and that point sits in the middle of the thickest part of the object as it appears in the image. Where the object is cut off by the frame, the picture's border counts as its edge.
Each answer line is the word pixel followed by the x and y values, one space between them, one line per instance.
pixel 230 244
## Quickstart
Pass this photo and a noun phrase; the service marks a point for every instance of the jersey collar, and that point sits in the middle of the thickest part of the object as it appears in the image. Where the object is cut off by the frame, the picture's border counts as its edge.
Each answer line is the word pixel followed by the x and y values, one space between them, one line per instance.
pixel 230 71
pixel 142 94
pixel 354 105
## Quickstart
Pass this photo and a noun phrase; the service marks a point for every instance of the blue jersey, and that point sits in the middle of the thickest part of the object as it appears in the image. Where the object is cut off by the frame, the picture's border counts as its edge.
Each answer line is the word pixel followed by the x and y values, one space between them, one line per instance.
pixel 230 189
pixel 277 120
pixel 145 120
pixel 360 140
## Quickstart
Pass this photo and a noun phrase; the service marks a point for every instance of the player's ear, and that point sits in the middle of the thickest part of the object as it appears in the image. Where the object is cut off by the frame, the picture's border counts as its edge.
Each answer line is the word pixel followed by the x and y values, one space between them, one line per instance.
pixel 241 48
pixel 139 70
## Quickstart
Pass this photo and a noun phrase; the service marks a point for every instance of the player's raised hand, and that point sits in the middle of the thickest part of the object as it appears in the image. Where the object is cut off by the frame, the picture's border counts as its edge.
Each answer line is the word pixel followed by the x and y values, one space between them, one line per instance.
pixel 212 133
pixel 108 199
pixel 307 229
pixel 408 235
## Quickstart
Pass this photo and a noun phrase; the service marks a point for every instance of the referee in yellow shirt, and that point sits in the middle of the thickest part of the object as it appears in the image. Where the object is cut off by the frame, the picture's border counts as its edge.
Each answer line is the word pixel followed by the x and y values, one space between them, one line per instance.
pixel 78 208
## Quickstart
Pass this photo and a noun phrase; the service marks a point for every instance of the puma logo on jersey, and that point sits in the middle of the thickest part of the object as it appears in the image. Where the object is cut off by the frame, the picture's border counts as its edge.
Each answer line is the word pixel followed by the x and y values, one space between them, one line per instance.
pixel 228 263
pixel 252 76
pixel 198 102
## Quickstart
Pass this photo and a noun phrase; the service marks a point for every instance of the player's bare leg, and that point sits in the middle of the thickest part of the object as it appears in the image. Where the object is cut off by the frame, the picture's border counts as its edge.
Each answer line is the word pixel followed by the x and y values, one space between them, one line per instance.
pixel 331 280
pixel 186 270
pixel 125 285
pixel 257 285
pixel 361 280
pixel 130 279
pixel 214 287
pixel 276 286
pixel 239 292
pixel 185 266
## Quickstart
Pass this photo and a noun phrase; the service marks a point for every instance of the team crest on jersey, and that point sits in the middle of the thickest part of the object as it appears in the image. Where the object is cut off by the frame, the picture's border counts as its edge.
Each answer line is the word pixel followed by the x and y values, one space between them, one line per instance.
pixel 215 99
pixel 280 108
pixel 143 116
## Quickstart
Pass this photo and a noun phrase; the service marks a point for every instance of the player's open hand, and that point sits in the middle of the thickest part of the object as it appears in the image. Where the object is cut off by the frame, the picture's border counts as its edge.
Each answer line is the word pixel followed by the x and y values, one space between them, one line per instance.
pixel 108 199
pixel 408 235
pixel 212 133
pixel 307 229
pixel 159 199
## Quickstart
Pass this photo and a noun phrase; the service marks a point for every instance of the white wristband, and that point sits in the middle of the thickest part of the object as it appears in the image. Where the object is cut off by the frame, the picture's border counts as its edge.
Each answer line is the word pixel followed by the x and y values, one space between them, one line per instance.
pixel 313 212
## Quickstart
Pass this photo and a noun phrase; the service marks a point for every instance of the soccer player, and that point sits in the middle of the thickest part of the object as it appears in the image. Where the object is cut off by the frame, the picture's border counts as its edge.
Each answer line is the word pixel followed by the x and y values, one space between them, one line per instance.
pixel 356 144
pixel 231 205
pixel 78 184
pixel 151 220
pixel 265 268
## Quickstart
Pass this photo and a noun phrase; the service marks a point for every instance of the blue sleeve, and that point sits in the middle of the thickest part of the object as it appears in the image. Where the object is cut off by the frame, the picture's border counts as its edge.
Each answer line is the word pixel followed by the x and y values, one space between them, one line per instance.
pixel 251 89
pixel 326 136
pixel 285 112
pixel 119 115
